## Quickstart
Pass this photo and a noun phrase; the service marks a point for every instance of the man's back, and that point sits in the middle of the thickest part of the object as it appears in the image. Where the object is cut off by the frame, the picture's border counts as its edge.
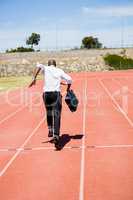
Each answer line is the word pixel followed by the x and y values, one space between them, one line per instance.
pixel 53 76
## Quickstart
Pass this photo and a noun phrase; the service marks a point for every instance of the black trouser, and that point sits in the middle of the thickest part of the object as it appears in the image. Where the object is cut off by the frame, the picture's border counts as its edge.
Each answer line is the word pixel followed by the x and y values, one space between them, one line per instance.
pixel 53 104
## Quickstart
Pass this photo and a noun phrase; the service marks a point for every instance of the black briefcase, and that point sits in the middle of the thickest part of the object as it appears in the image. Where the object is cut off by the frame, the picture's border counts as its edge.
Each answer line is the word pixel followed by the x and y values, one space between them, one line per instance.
pixel 71 100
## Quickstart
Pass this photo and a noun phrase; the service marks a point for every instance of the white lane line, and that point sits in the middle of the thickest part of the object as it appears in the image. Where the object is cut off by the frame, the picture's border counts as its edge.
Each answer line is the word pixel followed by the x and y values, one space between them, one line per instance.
pixel 11 115
pixel 115 102
pixel 121 85
pixel 34 149
pixel 14 113
pixel 81 147
pixel 82 167
pixel 114 146
pixel 89 147
pixel 21 147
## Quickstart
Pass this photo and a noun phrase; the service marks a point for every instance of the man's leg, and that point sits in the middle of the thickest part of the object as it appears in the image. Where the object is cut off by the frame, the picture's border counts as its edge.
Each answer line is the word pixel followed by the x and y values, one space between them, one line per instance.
pixel 57 115
pixel 49 114
pixel 50 121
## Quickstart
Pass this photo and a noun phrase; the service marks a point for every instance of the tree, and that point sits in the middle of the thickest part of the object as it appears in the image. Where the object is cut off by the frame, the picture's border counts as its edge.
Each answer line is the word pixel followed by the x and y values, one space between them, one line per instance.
pixel 34 39
pixel 91 43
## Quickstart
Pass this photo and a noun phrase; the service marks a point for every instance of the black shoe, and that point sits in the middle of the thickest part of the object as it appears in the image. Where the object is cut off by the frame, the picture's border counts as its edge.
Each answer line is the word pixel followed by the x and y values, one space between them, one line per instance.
pixel 56 141
pixel 50 134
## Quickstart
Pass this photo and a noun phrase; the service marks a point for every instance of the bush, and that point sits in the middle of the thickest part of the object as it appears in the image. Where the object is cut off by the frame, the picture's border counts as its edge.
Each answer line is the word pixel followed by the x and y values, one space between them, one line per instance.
pixel 118 62
pixel 20 49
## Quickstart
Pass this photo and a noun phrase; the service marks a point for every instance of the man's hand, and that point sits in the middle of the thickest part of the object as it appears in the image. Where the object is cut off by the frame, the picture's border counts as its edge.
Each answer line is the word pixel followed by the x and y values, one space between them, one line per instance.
pixel 68 87
pixel 32 83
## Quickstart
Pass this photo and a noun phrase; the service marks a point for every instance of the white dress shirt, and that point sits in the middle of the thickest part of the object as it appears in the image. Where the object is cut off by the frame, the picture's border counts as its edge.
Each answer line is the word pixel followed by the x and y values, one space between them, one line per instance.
pixel 53 76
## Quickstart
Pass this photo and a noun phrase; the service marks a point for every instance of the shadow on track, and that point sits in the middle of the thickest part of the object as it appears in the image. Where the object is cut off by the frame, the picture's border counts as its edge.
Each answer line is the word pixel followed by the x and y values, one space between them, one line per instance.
pixel 65 139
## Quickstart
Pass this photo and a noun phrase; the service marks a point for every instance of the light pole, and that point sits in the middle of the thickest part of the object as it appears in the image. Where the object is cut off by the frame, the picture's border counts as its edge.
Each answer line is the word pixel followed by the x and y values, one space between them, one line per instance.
pixel 122 32
pixel 56 33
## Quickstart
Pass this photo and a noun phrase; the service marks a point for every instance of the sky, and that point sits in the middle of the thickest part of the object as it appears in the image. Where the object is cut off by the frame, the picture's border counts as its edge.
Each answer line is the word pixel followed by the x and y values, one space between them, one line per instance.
pixel 63 24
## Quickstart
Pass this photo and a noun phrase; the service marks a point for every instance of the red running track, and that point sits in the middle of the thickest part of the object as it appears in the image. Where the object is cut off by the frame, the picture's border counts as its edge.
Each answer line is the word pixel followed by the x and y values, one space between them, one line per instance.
pixel 97 143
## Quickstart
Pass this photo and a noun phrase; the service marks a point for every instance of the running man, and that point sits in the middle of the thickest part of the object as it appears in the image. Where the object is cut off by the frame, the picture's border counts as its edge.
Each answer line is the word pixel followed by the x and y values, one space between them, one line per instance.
pixel 52 95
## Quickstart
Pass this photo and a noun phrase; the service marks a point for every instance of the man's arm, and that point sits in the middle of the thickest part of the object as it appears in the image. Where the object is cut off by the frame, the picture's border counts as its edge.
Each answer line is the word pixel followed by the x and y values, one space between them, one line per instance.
pixel 68 85
pixel 68 79
pixel 35 74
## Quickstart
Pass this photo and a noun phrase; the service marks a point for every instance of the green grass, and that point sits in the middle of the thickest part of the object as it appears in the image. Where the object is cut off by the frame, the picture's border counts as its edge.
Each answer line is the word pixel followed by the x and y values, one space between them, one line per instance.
pixel 11 83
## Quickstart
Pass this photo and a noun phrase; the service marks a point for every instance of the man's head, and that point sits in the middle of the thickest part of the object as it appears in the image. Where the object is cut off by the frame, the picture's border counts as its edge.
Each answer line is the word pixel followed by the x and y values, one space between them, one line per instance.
pixel 52 62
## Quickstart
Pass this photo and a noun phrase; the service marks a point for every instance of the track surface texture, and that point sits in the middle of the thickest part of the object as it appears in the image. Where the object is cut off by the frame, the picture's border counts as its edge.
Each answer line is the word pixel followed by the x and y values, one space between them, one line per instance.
pixel 96 158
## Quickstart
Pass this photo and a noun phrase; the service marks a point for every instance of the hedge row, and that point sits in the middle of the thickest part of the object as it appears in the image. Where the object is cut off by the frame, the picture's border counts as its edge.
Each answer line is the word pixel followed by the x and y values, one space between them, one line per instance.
pixel 118 62
pixel 20 49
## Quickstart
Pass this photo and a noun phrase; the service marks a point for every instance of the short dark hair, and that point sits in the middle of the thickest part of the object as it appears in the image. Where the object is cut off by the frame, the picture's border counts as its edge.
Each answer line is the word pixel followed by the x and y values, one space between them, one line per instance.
pixel 52 62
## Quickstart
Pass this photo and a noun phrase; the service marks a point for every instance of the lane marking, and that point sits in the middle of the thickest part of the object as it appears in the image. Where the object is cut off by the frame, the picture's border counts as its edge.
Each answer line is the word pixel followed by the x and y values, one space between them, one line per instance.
pixel 114 146
pixel 121 146
pixel 34 149
pixel 115 102
pixel 121 85
pixel 82 167
pixel 21 147
pixel 14 113
pixel 11 115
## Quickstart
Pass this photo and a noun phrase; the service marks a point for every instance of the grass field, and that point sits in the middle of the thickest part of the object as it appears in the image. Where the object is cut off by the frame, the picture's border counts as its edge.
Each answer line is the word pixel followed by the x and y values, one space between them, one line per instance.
pixel 11 83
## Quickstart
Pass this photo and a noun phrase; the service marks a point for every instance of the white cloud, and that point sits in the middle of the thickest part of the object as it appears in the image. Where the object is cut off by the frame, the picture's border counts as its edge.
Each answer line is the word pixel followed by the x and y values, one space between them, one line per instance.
pixel 112 11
